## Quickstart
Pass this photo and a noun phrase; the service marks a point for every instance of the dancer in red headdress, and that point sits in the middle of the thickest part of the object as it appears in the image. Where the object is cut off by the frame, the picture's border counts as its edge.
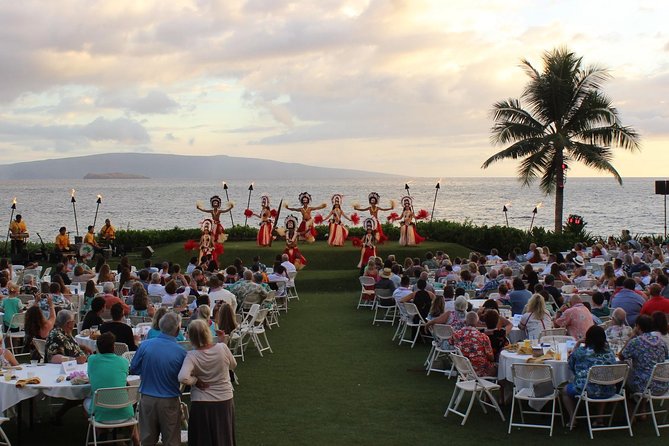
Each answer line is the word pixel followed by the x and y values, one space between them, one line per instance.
pixel 266 215
pixel 291 233
pixel 217 232
pixel 337 231
pixel 374 209
pixel 306 230
pixel 408 234
pixel 368 242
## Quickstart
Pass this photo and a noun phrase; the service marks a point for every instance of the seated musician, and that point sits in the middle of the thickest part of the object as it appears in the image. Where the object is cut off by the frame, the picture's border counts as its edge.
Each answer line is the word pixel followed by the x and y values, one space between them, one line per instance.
pixel 90 239
pixel 107 234
pixel 62 243
pixel 18 233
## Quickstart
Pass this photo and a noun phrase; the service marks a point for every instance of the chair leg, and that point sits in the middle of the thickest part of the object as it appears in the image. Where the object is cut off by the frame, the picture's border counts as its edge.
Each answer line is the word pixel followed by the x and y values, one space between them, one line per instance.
pixel 513 405
pixel 627 418
pixel 553 414
pixel 654 415
pixel 573 417
pixel 587 413
pixel 469 408
pixel 450 403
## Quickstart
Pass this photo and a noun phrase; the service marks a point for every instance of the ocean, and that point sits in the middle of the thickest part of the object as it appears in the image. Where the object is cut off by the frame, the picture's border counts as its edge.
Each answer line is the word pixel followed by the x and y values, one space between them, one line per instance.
pixel 142 204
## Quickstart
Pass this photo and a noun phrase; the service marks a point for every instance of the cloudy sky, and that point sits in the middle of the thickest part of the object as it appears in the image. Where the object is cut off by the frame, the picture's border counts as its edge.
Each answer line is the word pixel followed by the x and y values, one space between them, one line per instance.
pixel 399 86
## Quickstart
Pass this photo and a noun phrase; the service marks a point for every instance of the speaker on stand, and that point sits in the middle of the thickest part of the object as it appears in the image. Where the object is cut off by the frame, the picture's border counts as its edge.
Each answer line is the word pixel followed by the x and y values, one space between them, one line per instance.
pixel 147 253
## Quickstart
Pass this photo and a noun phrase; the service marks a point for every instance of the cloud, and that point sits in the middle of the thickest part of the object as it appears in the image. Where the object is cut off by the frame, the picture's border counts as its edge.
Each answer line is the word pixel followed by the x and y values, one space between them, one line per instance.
pixel 154 101
pixel 122 130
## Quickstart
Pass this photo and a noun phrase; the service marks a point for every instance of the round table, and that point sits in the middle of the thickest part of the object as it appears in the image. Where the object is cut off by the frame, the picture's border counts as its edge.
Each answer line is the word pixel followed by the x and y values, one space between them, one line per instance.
pixel 10 395
pixel 92 343
pixel 561 372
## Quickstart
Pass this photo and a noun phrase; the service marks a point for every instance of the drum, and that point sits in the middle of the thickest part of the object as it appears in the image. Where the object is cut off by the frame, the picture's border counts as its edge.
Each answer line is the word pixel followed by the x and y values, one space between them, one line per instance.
pixel 86 251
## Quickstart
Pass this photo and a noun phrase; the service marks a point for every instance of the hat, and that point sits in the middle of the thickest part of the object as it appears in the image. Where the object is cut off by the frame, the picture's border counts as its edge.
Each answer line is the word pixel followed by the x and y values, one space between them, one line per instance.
pixel 578 260
pixel 386 273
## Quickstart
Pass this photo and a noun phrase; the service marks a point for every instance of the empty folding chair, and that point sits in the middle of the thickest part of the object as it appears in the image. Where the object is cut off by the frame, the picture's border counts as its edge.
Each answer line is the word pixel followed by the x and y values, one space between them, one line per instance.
pixel 18 321
pixel 112 398
pixel 441 349
pixel 367 292
pixel 120 348
pixel 553 332
pixel 385 302
pixel 468 381
pixel 291 289
pixel 533 384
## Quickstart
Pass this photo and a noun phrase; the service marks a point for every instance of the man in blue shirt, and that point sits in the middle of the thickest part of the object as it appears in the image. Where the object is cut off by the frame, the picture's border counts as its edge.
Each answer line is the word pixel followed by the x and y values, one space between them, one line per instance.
pixel 629 300
pixel 158 361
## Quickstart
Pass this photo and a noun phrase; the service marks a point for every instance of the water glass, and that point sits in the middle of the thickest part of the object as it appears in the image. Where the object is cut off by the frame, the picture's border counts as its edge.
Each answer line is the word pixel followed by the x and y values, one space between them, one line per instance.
pixel 33 362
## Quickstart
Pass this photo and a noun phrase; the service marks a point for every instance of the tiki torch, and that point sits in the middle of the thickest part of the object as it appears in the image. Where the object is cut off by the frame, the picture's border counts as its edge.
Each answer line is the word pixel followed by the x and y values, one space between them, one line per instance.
pixel 11 217
pixel 227 198
pixel 248 204
pixel 74 209
pixel 406 187
pixel 534 214
pixel 505 210
pixel 99 200
pixel 436 191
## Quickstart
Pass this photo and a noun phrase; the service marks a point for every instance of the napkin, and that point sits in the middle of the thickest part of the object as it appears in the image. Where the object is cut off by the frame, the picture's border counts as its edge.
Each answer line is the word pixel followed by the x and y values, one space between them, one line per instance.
pixel 24 382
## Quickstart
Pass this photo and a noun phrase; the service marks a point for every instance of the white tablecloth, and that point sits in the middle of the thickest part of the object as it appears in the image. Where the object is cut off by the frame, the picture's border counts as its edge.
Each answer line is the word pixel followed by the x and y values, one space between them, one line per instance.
pixel 91 343
pixel 10 395
pixel 561 372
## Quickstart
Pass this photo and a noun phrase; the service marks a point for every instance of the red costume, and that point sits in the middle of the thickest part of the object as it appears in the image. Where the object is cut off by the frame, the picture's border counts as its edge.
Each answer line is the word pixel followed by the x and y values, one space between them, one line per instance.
pixel 374 209
pixel 216 228
pixel 294 255
pixel 408 234
pixel 368 242
pixel 338 233
pixel 306 230
pixel 266 223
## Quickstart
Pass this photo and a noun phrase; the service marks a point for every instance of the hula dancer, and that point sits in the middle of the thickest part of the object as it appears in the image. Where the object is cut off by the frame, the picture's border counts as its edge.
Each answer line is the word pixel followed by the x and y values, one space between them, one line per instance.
pixel 408 234
pixel 337 231
pixel 291 233
pixel 306 230
pixel 368 241
pixel 207 246
pixel 217 231
pixel 374 209
pixel 266 215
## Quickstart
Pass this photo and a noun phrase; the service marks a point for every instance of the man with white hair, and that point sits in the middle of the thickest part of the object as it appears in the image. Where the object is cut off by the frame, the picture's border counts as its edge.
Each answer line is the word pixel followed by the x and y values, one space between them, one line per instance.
pixel 618 332
pixel 475 346
pixel 158 362
pixel 110 299
pixel 155 288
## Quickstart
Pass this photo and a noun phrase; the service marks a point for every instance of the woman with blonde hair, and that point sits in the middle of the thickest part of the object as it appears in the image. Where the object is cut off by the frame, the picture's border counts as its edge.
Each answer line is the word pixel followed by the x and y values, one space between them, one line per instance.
pixel 608 277
pixel 535 317
pixel 226 320
pixel 204 313
pixel 455 318
pixel 207 369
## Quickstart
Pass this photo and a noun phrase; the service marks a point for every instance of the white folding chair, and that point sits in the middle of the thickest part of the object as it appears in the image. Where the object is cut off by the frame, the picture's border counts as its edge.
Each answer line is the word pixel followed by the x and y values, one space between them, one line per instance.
pixel 556 339
pixel 40 346
pixel 367 292
pixel 533 384
pixel 257 328
pixel 273 313
pixel 553 332
pixel 4 441
pixel 385 302
pixel 441 333
pixel 402 319
pixel 468 381
pixel 659 376
pixel 281 297
pixel 129 356
pixel 412 314
pixel 18 321
pixel 291 289
pixel 112 398
pixel 604 375
pixel 120 348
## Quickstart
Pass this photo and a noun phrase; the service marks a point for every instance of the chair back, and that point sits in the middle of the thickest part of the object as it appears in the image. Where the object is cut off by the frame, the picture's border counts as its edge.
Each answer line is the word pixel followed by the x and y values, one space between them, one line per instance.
pixel 568 289
pixel 608 375
pixel 18 320
pixel 556 339
pixel 553 332
pixel 586 284
pixel 156 299
pixel 442 332
pixel 660 375
pixel 383 292
pixel 280 288
pixel 525 375
pixel 464 367
pixel 411 309
pixel 40 346
pixel 186 345
pixel 260 318
pixel 129 356
pixel 116 397
pixel 292 275
pixel 26 298
pixel 120 348
pixel 366 281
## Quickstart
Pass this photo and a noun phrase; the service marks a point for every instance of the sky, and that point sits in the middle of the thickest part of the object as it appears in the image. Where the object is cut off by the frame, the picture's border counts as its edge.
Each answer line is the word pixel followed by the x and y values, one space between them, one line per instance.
pixel 396 86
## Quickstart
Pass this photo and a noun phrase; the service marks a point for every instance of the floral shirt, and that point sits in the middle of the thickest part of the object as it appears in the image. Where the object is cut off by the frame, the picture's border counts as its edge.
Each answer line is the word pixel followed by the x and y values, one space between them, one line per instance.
pixel 456 319
pixel 243 288
pixel 617 336
pixel 645 351
pixel 466 285
pixel 60 343
pixel 59 301
pixel 579 363
pixel 476 347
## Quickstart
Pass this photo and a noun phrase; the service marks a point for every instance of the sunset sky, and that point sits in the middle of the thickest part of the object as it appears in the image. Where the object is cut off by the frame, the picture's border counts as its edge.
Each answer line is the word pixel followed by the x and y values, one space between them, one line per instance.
pixel 397 86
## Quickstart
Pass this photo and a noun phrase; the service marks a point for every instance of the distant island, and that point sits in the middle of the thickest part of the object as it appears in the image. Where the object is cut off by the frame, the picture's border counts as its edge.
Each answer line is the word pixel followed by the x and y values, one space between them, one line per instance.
pixel 158 166
pixel 114 176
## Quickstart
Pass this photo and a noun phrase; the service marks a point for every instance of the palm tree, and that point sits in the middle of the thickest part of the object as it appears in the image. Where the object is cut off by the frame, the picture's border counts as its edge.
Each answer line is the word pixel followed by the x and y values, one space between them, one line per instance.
pixel 568 118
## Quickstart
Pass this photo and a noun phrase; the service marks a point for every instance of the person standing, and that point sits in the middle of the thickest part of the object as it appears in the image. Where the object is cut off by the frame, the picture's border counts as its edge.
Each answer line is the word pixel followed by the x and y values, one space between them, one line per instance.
pixel 158 362
pixel 207 369
pixel 18 232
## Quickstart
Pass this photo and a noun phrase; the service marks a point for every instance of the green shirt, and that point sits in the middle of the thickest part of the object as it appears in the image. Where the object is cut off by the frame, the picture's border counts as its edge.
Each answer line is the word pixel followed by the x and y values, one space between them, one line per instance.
pixel 108 370
pixel 10 306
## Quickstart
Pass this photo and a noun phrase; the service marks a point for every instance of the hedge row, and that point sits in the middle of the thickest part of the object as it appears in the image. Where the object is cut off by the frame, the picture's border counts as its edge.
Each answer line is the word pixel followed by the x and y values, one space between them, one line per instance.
pixel 480 238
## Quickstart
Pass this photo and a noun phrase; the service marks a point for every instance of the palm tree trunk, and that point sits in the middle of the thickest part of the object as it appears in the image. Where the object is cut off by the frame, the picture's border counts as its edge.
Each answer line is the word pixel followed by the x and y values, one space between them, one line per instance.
pixel 559 194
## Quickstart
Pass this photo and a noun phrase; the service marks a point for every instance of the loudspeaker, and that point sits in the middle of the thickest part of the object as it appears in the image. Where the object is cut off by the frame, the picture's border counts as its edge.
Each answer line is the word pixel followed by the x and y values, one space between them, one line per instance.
pixel 662 187
pixel 147 253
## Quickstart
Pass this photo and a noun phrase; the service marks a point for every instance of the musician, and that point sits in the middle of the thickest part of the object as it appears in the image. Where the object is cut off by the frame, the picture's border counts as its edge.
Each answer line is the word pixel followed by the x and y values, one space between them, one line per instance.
pixel 62 243
pixel 108 234
pixel 18 232
pixel 90 239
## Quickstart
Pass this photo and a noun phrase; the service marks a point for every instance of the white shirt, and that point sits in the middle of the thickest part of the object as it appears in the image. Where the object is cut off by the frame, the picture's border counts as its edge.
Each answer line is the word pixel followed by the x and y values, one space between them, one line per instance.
pixel 155 289
pixel 290 268
pixel 224 295
pixel 190 268
pixel 401 292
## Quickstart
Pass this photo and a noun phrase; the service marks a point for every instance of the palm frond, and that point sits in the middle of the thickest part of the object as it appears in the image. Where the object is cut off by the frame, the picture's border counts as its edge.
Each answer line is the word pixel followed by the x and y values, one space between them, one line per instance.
pixel 613 135
pixel 535 164
pixel 515 151
pixel 595 157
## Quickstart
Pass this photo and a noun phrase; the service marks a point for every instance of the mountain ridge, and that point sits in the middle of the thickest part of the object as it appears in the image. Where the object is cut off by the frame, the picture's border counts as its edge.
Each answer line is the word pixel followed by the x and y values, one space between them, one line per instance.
pixel 156 165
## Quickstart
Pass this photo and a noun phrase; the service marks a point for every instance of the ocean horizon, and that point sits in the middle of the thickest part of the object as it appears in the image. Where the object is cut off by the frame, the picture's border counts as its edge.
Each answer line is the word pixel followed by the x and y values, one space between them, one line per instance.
pixel 160 204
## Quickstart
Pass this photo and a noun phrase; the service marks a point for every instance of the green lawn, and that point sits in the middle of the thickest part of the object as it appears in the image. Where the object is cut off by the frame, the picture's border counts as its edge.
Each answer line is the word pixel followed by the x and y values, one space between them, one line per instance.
pixel 334 379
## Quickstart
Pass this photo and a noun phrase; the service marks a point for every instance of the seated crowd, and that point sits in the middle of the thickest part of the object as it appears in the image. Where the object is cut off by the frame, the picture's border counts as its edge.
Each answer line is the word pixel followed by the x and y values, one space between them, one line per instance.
pixel 206 298
pixel 612 299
